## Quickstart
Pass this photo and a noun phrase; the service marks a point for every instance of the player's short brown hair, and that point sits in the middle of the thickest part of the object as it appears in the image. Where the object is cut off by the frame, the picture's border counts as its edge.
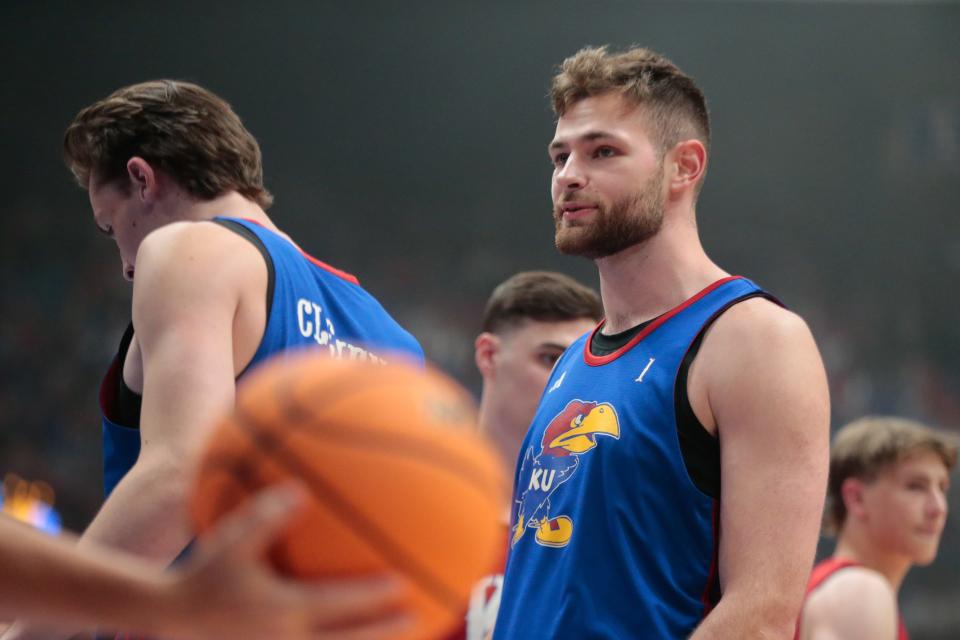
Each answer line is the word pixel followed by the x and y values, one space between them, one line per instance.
pixel 865 447
pixel 543 296
pixel 672 101
pixel 184 130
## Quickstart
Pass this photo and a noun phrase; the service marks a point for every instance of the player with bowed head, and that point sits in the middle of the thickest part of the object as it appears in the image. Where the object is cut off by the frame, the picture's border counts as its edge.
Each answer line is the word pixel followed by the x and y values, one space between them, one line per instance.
pixel 176 181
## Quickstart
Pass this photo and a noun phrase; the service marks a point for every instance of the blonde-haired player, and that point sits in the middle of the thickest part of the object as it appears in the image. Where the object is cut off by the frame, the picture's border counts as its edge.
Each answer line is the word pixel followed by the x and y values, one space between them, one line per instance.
pixel 887 505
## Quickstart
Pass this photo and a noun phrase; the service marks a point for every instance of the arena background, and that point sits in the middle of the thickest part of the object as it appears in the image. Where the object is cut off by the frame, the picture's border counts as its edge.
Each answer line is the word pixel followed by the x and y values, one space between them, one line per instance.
pixel 406 143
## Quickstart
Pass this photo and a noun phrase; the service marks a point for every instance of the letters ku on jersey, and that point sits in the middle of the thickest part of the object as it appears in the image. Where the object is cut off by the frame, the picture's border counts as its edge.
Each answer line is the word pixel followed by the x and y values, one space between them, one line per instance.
pixel 571 434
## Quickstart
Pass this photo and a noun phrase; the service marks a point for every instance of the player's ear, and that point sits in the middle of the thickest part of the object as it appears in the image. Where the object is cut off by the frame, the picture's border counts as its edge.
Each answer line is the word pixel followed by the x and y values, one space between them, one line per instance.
pixel 143 179
pixel 852 492
pixel 688 161
pixel 485 349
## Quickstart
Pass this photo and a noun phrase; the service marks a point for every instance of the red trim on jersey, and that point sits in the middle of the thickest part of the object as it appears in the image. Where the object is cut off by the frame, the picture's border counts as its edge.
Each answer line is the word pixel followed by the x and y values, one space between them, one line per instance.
pixel 826 569
pixel 596 361
pixel 323 265
pixel 820 574
pixel 708 602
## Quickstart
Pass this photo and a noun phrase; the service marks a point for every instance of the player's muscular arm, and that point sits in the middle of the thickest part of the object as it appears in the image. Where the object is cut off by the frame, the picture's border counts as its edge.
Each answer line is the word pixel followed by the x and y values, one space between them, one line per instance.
pixel 186 294
pixel 185 297
pixel 766 392
pixel 854 604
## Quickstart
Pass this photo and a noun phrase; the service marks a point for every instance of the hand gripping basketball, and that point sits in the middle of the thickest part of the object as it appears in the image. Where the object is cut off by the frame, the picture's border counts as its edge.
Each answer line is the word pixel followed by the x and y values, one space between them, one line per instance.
pixel 398 480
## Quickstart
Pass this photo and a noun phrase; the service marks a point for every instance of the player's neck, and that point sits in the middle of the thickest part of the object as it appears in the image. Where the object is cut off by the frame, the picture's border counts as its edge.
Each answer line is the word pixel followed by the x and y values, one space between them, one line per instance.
pixel 855 545
pixel 491 423
pixel 645 280
pixel 230 204
pixel 505 445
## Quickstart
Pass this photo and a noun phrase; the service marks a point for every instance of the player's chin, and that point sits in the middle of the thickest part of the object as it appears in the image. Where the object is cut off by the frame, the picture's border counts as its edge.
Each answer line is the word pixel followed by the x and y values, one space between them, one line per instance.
pixel 574 241
pixel 924 561
pixel 926 552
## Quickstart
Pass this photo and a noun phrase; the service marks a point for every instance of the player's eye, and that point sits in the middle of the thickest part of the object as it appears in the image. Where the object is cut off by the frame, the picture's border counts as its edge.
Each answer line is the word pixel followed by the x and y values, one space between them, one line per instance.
pixel 106 230
pixel 605 152
pixel 548 359
pixel 560 159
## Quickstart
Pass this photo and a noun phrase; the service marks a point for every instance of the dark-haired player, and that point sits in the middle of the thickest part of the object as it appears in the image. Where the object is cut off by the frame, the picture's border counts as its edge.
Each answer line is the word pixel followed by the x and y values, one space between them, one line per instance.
pixel 529 321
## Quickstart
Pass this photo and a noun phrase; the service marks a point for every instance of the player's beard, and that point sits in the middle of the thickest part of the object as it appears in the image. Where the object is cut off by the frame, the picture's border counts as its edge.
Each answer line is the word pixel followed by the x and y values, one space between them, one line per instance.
pixel 629 221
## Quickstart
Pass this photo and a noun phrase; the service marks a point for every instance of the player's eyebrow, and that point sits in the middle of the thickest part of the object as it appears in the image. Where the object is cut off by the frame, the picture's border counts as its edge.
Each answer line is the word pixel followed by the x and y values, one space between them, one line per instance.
pixel 552 345
pixel 590 136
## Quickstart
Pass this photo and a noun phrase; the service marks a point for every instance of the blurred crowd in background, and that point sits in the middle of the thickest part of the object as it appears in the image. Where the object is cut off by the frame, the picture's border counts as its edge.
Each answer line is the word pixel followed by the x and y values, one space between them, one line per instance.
pixel 408 146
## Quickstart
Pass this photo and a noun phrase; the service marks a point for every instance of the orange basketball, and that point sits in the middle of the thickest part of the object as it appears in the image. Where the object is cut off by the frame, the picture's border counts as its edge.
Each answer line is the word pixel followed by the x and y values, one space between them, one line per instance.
pixel 400 480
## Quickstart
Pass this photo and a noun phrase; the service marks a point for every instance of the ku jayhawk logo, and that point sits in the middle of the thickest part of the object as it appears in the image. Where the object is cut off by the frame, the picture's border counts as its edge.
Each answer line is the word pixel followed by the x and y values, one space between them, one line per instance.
pixel 572 433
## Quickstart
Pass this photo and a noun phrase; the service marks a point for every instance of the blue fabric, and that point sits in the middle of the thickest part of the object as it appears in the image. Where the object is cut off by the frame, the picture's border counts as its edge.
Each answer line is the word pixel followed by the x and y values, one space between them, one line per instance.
pixel 314 306
pixel 121 447
pixel 610 538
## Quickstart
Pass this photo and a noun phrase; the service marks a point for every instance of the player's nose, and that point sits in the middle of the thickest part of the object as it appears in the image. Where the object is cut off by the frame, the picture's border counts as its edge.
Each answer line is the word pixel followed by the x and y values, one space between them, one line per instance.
pixel 572 175
pixel 937 505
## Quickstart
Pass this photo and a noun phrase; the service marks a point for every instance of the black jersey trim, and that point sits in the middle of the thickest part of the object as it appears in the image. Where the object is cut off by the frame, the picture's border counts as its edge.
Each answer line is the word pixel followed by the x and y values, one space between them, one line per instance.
pixel 699 448
pixel 254 239
pixel 120 404
pixel 602 345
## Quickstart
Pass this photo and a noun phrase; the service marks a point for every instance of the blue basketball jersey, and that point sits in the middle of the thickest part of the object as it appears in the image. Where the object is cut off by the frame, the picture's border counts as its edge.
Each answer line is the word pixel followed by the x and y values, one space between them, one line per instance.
pixel 610 536
pixel 310 304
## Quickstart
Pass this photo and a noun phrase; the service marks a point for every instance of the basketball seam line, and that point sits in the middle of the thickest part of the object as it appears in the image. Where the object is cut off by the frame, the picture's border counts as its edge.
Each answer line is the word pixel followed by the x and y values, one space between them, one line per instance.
pixel 294 411
pixel 364 527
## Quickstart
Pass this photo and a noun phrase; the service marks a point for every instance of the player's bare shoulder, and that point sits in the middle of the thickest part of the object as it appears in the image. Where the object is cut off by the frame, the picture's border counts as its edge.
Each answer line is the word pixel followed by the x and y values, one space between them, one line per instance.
pixel 196 257
pixel 195 265
pixel 758 323
pixel 855 602
pixel 759 333
pixel 192 245
pixel 758 354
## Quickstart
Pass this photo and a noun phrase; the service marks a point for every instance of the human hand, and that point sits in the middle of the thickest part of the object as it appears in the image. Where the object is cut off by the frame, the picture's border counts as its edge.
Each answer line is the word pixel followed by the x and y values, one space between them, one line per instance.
pixel 24 631
pixel 228 590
